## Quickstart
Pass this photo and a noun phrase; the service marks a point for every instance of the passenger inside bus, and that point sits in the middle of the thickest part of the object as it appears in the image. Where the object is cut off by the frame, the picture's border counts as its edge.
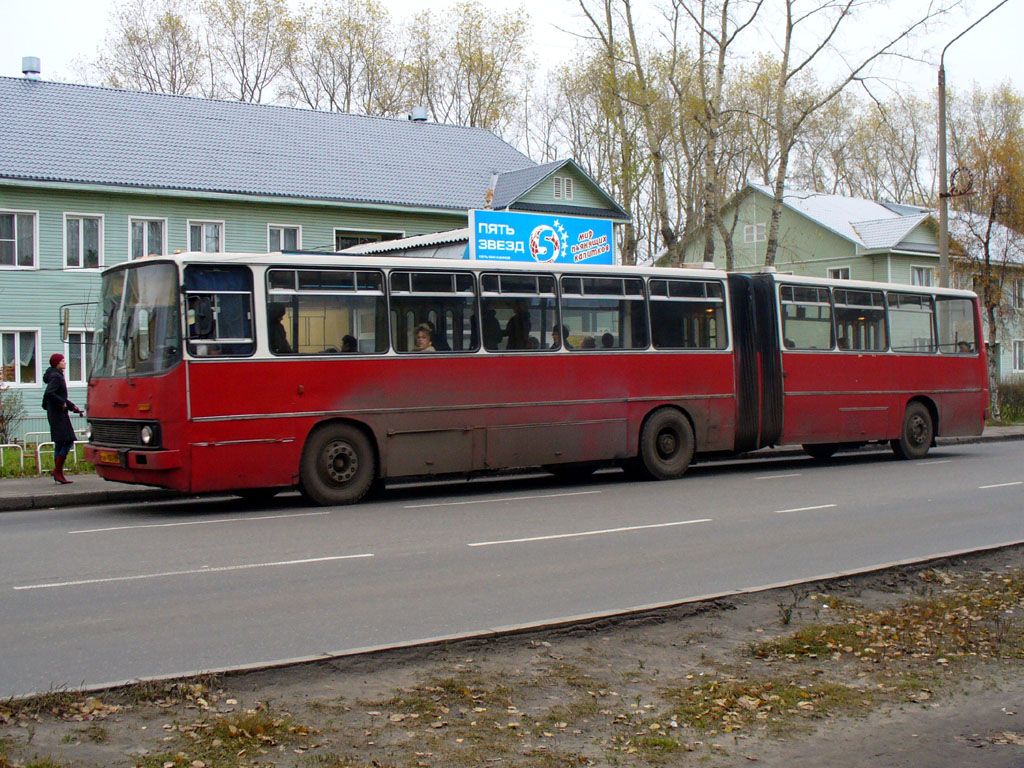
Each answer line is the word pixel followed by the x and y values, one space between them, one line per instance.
pixel 560 336
pixel 423 340
pixel 588 343
pixel 439 341
pixel 349 344
pixel 517 330
pixel 607 340
pixel 491 328
pixel 278 336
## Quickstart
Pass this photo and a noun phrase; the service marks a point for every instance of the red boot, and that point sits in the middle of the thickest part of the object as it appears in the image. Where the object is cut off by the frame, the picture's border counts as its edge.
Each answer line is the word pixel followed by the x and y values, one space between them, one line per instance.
pixel 58 470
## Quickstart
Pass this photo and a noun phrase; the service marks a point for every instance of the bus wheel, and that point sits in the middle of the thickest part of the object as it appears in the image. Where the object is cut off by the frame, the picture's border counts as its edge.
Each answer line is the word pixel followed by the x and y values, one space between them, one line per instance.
pixel 338 465
pixel 916 434
pixel 666 444
pixel 820 451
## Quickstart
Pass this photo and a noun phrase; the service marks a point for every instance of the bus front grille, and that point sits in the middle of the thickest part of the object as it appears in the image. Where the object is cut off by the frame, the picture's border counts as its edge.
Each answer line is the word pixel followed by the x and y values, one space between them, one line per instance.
pixel 120 432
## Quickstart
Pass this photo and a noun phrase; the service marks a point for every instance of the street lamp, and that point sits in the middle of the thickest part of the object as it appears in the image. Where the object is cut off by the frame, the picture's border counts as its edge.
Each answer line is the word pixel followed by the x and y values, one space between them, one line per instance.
pixel 943 178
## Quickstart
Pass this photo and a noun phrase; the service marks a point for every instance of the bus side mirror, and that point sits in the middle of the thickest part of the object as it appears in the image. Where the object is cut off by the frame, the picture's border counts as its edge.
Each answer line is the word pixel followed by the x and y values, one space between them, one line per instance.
pixel 65 323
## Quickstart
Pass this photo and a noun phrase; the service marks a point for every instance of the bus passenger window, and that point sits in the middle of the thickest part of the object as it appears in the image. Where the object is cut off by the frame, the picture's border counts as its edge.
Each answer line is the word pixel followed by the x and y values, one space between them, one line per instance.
pixel 806 313
pixel 445 302
pixel 520 312
pixel 688 314
pixel 220 310
pixel 604 312
pixel 911 322
pixel 955 318
pixel 326 312
pixel 860 320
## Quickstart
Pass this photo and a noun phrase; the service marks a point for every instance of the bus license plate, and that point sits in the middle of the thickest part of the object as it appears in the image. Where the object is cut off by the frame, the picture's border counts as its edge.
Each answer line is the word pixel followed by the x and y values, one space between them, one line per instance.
pixel 109 457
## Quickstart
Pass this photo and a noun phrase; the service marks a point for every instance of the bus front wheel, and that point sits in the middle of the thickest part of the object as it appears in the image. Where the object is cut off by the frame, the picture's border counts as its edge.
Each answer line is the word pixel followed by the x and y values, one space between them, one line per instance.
pixel 916 433
pixel 338 465
pixel 666 444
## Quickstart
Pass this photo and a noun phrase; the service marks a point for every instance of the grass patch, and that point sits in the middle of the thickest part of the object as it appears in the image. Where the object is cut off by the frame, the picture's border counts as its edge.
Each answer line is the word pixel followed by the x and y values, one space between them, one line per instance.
pixel 731 705
pixel 981 617
pixel 231 741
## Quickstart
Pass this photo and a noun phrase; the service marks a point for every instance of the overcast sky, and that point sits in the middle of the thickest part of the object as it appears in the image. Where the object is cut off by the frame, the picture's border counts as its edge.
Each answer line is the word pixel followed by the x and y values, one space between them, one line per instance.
pixel 61 31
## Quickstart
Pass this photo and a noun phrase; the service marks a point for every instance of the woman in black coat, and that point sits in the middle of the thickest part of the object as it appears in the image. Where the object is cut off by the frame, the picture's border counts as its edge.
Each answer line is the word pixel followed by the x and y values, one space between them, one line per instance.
pixel 57 405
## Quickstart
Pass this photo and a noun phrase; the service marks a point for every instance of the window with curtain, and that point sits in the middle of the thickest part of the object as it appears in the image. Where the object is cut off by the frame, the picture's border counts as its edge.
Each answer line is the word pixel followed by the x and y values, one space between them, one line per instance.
pixel 18 357
pixel 82 242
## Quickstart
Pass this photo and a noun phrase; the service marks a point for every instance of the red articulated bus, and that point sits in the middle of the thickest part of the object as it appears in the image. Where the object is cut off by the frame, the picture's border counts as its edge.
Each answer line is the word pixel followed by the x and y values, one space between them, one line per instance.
pixel 257 373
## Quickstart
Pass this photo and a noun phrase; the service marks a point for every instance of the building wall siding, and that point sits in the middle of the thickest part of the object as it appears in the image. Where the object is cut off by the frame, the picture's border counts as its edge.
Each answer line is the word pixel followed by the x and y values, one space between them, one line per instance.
pixel 584 195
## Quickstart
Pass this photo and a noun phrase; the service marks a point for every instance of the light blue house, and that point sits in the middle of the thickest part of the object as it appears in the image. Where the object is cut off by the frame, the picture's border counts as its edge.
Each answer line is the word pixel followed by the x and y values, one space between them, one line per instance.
pixel 90 177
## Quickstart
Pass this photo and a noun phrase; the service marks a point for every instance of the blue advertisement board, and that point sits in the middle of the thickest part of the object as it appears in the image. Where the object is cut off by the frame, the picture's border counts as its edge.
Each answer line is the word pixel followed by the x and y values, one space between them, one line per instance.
pixel 540 237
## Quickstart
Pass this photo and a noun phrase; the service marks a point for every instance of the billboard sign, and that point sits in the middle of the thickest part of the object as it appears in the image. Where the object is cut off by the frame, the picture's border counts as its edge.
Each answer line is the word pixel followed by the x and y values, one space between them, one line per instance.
pixel 540 238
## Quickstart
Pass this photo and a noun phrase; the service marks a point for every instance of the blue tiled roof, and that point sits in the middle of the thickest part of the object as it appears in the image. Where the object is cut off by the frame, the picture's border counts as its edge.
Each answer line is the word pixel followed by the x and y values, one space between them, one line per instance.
pixel 84 134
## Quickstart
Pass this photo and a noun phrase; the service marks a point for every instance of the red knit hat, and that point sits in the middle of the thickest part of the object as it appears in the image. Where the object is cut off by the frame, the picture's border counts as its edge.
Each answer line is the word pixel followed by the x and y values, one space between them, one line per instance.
pixel 55 358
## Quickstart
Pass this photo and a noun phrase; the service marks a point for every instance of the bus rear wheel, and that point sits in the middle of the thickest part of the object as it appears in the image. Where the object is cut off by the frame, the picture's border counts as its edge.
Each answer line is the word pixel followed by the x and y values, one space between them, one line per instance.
pixel 916 434
pixel 666 444
pixel 338 465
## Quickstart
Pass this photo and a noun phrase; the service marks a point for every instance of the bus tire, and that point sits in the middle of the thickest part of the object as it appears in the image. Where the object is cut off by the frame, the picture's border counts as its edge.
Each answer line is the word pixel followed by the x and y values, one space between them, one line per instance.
pixel 916 434
pixel 338 465
pixel 666 444
pixel 820 451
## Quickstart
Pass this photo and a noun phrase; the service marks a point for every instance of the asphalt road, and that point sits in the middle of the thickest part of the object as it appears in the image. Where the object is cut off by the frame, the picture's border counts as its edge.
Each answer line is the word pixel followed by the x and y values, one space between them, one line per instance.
pixel 92 595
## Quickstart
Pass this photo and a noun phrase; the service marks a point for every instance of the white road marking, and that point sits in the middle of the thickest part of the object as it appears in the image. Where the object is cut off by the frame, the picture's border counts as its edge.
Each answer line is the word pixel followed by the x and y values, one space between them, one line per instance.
pixel 197 522
pixel 587 533
pixel 932 462
pixel 1000 485
pixel 777 477
pixel 495 501
pixel 203 569
pixel 805 509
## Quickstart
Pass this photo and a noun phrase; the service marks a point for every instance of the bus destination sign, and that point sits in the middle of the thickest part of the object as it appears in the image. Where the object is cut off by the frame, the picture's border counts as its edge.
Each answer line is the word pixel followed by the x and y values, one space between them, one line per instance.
pixel 541 238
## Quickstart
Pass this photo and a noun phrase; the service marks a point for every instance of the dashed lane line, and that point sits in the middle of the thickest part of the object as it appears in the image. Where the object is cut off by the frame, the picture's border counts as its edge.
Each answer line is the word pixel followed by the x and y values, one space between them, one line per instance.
pixel 587 533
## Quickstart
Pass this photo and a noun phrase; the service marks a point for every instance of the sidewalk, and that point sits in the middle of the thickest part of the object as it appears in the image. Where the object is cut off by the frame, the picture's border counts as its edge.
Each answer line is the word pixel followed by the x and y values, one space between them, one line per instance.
pixel 42 492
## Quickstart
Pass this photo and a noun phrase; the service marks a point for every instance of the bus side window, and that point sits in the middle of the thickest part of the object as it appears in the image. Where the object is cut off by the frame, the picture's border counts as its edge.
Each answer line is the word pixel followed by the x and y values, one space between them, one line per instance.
pixel 444 301
pixel 520 312
pixel 806 313
pixel 955 319
pixel 220 310
pixel 595 306
pixel 687 314
pixel 860 320
pixel 911 322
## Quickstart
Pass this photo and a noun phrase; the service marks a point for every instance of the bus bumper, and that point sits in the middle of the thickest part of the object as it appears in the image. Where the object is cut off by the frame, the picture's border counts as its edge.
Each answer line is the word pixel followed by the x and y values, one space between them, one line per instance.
pixel 126 458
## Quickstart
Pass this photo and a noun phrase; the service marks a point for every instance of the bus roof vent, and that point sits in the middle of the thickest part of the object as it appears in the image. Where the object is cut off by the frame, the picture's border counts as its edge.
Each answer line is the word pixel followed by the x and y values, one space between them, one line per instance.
pixel 709 265
pixel 418 114
pixel 769 268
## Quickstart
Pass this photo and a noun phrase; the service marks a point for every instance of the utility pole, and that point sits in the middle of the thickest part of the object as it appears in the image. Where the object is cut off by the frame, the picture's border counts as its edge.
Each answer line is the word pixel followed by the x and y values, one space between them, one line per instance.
pixel 944 194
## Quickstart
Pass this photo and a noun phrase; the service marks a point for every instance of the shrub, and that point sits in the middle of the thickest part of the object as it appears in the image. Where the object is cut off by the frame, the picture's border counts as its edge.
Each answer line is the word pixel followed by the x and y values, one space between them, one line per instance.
pixel 1011 398
pixel 12 411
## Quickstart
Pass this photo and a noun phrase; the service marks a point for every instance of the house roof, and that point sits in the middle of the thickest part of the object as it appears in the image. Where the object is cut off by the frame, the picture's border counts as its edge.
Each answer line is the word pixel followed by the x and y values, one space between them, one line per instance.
pixel 60 132
pixel 867 223
pixel 512 185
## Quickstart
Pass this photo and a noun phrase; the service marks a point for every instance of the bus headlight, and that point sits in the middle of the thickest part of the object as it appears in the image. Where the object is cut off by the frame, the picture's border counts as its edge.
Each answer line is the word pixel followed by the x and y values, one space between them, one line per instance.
pixel 146 433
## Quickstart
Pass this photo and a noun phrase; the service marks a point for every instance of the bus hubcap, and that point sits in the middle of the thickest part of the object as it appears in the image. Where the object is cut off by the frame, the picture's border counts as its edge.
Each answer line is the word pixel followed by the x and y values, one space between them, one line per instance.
pixel 917 430
pixel 668 444
pixel 342 462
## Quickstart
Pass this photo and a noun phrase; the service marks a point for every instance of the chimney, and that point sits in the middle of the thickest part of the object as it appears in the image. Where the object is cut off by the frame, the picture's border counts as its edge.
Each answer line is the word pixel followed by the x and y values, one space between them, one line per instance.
pixel 30 67
pixel 418 114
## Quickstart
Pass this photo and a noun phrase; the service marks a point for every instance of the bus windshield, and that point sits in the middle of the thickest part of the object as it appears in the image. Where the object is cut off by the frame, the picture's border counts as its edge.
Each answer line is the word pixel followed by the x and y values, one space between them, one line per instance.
pixel 139 324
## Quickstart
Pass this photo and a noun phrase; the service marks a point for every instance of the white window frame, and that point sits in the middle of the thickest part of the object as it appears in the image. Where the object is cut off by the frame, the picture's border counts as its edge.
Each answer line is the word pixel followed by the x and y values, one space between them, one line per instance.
pixel 298 235
pixel 755 233
pixel 84 345
pixel 17 348
pixel 35 238
pixel 163 223
pixel 202 223
pixel 927 268
pixel 833 270
pixel 1017 363
pixel 562 187
pixel 81 254
pixel 1017 292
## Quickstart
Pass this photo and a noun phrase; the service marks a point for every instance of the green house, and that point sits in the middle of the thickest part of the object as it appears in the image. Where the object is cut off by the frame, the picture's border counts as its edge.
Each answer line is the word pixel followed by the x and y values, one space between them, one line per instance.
pixel 848 238
pixel 91 177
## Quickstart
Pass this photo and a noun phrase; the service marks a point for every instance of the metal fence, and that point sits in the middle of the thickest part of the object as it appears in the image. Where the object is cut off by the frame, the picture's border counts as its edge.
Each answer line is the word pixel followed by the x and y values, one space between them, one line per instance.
pixel 32 444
